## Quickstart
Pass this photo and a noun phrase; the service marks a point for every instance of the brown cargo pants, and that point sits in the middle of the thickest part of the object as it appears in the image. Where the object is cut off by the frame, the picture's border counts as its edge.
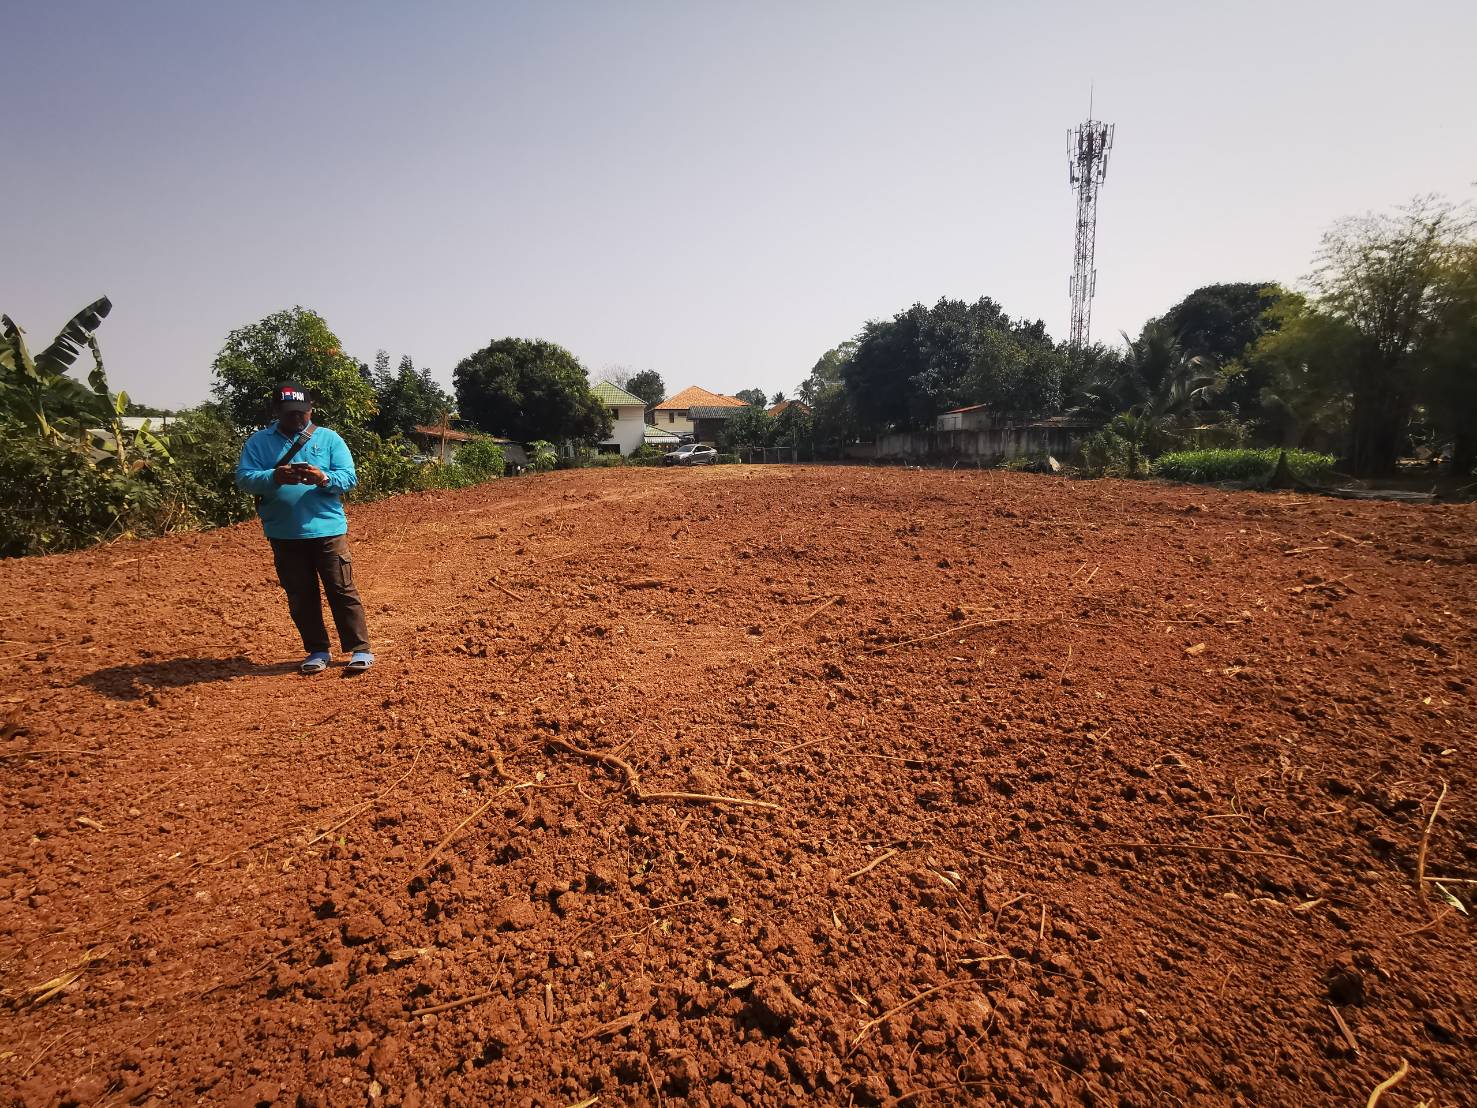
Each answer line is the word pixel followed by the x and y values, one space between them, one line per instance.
pixel 301 564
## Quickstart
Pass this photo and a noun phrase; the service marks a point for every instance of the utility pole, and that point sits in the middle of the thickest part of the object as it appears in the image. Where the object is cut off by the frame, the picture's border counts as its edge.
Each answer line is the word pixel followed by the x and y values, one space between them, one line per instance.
pixel 1087 166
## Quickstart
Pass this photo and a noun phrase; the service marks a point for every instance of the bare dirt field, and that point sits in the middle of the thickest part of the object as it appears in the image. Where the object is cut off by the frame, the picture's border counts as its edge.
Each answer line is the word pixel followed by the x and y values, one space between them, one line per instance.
pixel 754 786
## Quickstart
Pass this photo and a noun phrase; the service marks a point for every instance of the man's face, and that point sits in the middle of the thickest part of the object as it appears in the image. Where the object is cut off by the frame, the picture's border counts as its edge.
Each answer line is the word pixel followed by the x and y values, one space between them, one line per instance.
pixel 290 423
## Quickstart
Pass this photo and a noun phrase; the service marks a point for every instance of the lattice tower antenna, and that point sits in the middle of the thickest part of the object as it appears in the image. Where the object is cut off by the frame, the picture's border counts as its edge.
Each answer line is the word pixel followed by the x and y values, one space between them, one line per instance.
pixel 1087 167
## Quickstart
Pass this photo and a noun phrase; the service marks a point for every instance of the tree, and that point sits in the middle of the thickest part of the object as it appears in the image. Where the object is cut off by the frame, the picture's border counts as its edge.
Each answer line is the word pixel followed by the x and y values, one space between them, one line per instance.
pixel 832 419
pixel 1223 321
pixel 1379 274
pixel 648 385
pixel 407 399
pixel 618 375
pixel 1450 390
pixel 529 389
pixel 756 398
pixel 747 429
pixel 777 398
pixel 1302 361
pixel 290 345
pixel 924 361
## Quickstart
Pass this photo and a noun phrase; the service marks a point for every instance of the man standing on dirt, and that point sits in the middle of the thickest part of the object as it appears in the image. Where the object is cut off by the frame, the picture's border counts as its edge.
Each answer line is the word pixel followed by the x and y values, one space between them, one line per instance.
pixel 299 473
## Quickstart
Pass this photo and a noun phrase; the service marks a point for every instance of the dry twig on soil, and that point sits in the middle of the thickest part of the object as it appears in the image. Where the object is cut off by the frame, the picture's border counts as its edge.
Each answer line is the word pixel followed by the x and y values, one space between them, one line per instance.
pixel 455 831
pixel 1344 1029
pixel 870 866
pixel 873 1024
pixel 1420 863
pixel 450 1004
pixel 633 781
pixel 52 750
pixel 961 629
pixel 1387 1084
pixel 1209 849
pixel 370 803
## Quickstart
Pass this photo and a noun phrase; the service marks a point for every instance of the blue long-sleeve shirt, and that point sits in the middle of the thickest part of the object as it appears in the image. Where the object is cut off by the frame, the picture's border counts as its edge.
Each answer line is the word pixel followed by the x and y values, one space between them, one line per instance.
pixel 298 511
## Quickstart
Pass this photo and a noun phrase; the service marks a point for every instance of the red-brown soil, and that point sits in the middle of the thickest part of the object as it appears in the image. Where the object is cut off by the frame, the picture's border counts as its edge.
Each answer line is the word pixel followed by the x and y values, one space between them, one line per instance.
pixel 1089 792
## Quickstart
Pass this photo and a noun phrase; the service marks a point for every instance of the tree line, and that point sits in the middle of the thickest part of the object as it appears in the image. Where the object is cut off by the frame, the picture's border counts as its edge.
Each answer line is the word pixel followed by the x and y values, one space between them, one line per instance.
pixel 1376 358
pixel 79 471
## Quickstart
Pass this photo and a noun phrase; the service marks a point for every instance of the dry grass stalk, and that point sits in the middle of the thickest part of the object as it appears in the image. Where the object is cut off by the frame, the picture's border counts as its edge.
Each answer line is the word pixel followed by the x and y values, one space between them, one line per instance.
pixel 709 798
pixel 504 589
pixel 1344 1029
pixel 633 781
pixel 1387 1084
pixel 1420 862
pixel 961 629
pixel 1424 926
pixel 364 807
pixel 53 750
pixel 803 620
pixel 249 974
pixel 36 995
pixel 617 1025
pixel 450 1004
pixel 588 1102
pixel 1209 849
pixel 873 1024
pixel 457 830
pixel 870 866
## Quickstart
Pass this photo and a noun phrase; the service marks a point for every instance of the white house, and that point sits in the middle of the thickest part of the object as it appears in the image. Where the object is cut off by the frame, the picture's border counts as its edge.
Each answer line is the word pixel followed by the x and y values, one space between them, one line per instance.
pixel 627 415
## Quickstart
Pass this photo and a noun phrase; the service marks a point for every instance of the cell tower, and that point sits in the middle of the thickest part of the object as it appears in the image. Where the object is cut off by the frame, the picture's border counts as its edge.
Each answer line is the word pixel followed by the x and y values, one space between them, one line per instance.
pixel 1087 166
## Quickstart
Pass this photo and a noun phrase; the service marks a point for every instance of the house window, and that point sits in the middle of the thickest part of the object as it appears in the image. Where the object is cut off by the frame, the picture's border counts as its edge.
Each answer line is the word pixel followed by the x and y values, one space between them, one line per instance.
pixel 671 417
pixel 614 413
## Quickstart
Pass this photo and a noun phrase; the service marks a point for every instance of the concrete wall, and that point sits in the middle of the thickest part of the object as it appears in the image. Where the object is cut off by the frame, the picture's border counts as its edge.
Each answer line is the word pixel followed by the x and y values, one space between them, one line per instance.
pixel 995 444
pixel 672 421
pixel 629 427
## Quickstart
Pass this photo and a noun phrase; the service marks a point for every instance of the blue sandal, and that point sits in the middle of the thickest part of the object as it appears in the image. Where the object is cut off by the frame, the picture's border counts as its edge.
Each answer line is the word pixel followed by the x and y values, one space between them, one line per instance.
pixel 361 661
pixel 316 662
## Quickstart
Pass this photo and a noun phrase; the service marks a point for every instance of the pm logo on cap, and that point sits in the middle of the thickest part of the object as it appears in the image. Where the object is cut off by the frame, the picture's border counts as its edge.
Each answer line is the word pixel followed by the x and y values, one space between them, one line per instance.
pixel 291 396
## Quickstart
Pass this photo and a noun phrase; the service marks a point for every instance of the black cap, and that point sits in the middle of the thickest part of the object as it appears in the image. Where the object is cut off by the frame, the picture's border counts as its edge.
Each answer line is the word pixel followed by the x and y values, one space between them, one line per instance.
pixel 291 397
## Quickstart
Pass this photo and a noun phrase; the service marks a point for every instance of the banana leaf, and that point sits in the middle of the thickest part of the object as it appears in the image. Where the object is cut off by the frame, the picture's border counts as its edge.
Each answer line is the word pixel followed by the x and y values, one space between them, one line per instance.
pixel 57 358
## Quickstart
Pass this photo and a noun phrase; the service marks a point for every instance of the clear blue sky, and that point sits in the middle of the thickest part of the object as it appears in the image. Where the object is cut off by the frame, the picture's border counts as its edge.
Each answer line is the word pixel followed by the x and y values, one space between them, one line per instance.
pixel 720 192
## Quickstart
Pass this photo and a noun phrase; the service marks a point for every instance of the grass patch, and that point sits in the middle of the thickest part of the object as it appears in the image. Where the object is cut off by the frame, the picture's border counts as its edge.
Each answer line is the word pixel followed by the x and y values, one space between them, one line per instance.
pixel 1211 466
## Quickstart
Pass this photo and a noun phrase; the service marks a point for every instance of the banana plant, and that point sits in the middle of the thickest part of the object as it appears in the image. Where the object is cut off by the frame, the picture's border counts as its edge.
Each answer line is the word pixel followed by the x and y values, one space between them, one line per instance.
pixel 39 390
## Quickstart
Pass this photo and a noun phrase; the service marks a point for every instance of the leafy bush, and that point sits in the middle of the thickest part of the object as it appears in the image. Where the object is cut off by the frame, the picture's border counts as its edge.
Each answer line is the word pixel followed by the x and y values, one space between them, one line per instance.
pixel 541 456
pixel 481 458
pixel 205 448
pixel 726 459
pixel 606 461
pixel 1209 466
pixel 645 455
pixel 60 498
pixel 1109 453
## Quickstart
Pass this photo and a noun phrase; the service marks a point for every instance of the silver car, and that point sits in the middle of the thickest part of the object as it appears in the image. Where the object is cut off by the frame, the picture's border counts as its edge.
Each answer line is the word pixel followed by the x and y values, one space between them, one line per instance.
pixel 693 454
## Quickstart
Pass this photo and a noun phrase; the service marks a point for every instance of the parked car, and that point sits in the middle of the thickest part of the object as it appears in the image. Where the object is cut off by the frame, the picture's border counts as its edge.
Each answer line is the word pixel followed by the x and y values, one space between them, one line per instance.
pixel 694 454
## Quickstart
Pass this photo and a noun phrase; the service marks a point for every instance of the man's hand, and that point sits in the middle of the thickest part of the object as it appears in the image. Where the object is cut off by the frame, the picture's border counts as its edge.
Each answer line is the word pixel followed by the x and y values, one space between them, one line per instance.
pixel 312 475
pixel 286 475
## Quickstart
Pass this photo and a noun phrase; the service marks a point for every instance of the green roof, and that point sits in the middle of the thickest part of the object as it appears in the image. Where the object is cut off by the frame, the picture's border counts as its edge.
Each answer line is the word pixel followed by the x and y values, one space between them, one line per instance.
pixel 614 396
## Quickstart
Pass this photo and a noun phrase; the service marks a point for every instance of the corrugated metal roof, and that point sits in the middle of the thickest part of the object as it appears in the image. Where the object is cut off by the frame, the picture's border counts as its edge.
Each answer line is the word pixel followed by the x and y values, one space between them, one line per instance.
pixel 614 396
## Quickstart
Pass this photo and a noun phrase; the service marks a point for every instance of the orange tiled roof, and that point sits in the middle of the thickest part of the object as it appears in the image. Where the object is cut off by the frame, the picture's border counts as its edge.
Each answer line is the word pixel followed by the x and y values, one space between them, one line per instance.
pixel 783 404
pixel 695 397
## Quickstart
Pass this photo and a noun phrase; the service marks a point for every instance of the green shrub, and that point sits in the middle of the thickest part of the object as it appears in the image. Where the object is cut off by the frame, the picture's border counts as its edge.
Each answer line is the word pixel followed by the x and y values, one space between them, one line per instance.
pixel 205 448
pixel 541 456
pixel 1110 454
pixel 645 455
pixel 60 498
pixel 726 459
pixel 481 459
pixel 1210 466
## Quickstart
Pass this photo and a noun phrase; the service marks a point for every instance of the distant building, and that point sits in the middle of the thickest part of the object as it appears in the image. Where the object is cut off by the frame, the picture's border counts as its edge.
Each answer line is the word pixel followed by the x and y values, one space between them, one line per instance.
pixel 676 414
pixel 786 405
pixel 627 414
